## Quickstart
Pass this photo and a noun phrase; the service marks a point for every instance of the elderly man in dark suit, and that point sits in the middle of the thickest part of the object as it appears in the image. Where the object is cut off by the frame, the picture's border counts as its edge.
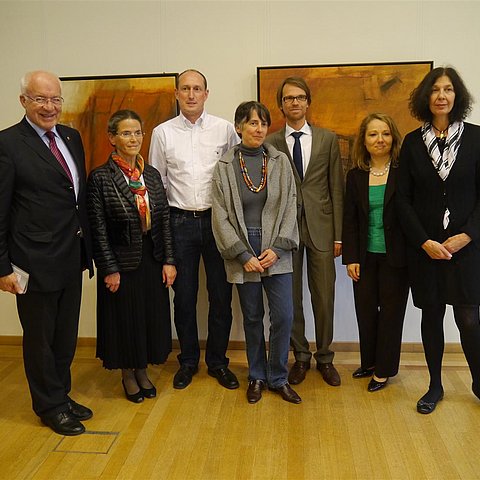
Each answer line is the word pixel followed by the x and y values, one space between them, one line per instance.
pixel 317 167
pixel 44 231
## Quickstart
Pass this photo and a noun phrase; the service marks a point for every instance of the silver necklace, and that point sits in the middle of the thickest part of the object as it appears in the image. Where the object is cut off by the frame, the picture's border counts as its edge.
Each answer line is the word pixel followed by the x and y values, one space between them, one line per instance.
pixel 381 173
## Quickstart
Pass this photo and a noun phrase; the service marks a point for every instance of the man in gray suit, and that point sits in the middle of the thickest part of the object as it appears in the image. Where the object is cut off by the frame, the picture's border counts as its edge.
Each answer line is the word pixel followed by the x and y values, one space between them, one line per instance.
pixel 317 167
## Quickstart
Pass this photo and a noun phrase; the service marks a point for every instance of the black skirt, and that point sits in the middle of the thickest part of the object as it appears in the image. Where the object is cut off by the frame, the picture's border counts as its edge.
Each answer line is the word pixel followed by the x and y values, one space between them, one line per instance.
pixel 133 324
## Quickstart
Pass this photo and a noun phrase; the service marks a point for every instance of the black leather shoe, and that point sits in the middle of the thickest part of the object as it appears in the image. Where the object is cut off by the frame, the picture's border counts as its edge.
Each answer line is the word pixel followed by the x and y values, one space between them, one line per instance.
pixel 226 378
pixel 254 390
pixel 363 372
pixel 298 372
pixel 375 385
pixel 64 423
pixel 80 412
pixel 428 407
pixel 287 393
pixel 133 397
pixel 183 378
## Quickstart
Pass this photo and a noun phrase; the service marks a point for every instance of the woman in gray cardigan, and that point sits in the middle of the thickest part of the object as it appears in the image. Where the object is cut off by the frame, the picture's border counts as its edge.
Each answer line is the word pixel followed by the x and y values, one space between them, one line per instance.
pixel 254 223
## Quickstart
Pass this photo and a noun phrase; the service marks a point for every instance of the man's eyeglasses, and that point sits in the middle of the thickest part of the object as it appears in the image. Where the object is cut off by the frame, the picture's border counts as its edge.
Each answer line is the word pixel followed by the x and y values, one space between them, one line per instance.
pixel 290 99
pixel 57 101
pixel 127 134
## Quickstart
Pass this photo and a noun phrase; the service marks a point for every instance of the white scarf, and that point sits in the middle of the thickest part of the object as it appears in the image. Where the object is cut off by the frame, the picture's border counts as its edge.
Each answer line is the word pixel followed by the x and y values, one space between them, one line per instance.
pixel 443 161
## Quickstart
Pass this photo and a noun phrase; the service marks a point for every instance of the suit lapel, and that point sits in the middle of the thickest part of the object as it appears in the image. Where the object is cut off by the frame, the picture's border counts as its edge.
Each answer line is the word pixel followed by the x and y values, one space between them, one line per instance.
pixel 33 140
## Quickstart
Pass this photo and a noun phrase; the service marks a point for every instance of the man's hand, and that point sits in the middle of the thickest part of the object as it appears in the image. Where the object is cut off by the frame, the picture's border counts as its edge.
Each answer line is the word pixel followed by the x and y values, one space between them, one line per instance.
pixel 9 283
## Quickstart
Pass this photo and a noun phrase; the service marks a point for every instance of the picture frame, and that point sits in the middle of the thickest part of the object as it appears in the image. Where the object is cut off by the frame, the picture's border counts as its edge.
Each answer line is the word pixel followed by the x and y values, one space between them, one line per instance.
pixel 342 95
pixel 90 101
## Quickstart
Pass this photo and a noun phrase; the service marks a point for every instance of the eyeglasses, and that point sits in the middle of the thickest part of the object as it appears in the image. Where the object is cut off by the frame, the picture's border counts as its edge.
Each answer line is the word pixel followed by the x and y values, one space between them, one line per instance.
pixel 291 99
pixel 128 134
pixel 57 101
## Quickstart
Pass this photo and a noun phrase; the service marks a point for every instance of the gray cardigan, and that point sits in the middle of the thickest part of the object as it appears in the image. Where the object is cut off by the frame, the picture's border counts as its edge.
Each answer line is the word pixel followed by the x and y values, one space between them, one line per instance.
pixel 279 216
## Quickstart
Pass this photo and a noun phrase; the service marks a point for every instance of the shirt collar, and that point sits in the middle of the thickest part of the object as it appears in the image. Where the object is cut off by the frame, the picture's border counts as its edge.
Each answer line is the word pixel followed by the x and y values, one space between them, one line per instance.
pixel 188 124
pixel 306 129
pixel 41 132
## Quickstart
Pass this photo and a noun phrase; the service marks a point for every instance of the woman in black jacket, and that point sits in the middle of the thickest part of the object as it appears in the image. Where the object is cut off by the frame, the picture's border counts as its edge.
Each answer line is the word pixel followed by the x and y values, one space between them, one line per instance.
pixel 439 207
pixel 133 252
pixel 374 249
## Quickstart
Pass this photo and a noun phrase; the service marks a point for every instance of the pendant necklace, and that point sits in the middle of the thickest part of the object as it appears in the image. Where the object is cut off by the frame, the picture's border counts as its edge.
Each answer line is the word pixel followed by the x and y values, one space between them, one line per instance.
pixel 443 133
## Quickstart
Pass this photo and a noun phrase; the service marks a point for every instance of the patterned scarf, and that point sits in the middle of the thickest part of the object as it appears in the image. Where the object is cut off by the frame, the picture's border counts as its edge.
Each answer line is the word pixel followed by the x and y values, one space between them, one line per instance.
pixel 443 159
pixel 136 187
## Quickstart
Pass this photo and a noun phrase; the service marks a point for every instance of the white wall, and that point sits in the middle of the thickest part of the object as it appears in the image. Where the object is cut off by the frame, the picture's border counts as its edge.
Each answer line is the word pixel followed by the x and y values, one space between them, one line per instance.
pixel 227 40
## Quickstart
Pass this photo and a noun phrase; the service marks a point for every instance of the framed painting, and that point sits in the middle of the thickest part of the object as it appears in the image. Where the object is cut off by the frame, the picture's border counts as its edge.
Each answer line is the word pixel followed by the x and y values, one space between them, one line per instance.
pixel 342 95
pixel 90 101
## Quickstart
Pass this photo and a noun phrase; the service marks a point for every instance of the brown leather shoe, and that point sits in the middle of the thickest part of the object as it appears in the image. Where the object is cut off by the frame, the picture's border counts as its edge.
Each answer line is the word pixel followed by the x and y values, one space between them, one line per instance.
pixel 254 390
pixel 287 393
pixel 329 373
pixel 298 372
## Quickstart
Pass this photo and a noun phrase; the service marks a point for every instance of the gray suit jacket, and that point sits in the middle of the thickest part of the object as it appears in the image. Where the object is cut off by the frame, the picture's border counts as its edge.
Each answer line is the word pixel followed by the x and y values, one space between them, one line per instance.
pixel 320 194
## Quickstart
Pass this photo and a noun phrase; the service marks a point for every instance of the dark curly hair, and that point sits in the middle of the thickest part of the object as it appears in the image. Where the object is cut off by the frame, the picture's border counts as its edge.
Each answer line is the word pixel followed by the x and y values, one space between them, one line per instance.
pixel 420 97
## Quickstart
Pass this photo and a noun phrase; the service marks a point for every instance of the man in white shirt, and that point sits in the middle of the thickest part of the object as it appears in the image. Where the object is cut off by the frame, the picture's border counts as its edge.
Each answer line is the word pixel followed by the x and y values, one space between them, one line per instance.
pixel 317 166
pixel 185 150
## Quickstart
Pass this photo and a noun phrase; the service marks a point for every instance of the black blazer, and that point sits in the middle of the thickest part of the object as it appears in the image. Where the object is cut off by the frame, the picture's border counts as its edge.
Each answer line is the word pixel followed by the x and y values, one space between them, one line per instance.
pixel 421 199
pixel 115 221
pixel 40 218
pixel 355 220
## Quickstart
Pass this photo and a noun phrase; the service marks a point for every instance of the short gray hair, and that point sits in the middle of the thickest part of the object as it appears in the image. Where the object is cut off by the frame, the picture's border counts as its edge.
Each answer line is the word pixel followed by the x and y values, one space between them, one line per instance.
pixel 27 78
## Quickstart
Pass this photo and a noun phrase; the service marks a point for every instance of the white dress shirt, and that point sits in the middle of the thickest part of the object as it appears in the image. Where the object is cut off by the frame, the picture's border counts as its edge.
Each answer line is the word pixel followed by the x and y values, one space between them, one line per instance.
pixel 305 142
pixel 185 154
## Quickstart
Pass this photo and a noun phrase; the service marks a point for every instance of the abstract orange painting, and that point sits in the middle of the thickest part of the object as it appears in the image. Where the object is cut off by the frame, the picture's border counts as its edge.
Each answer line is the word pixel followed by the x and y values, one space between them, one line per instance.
pixel 342 95
pixel 90 101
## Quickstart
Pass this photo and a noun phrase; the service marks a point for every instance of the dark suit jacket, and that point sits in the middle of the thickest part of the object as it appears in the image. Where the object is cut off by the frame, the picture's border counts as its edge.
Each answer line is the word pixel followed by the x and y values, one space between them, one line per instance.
pixel 115 221
pixel 320 194
pixel 421 198
pixel 40 218
pixel 355 220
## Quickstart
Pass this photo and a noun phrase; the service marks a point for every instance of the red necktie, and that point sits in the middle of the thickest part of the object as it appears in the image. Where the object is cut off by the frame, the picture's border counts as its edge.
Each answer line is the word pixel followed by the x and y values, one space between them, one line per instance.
pixel 58 154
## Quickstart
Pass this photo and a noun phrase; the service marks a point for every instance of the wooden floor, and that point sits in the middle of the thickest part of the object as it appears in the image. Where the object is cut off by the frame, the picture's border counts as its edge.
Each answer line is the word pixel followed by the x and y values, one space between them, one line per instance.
pixel 207 432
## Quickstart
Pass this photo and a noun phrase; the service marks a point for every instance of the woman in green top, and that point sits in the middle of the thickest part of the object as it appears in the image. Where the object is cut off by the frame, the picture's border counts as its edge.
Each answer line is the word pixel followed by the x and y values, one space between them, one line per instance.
pixel 374 249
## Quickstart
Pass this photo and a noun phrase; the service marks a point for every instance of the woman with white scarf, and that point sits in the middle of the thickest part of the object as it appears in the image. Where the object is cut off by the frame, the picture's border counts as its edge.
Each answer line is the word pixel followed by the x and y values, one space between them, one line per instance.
pixel 438 200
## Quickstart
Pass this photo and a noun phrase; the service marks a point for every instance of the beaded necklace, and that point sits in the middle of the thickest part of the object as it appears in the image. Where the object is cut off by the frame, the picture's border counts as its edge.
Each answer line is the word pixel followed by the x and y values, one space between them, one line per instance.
pixel 246 177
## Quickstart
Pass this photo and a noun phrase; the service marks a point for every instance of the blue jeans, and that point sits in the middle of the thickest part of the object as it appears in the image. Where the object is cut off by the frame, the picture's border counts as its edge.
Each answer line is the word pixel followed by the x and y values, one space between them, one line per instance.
pixel 280 302
pixel 193 237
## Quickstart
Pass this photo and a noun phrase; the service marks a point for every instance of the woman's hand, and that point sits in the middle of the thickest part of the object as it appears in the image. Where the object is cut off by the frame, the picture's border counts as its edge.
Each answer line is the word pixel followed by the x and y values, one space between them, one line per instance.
pixel 436 251
pixel 457 242
pixel 353 271
pixel 169 272
pixel 112 281
pixel 268 258
pixel 253 265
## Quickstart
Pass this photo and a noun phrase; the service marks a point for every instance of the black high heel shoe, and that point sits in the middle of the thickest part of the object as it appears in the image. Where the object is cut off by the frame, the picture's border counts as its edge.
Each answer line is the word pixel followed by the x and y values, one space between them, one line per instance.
pixel 147 392
pixel 375 385
pixel 133 397
pixel 363 372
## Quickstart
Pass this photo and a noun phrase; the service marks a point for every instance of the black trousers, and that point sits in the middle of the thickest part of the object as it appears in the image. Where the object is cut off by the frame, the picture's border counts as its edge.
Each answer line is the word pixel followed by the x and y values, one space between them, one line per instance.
pixel 381 297
pixel 50 328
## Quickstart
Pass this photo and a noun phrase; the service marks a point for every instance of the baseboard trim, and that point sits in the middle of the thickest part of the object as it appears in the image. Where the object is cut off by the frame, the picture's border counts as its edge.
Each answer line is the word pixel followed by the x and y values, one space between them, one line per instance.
pixel 407 347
